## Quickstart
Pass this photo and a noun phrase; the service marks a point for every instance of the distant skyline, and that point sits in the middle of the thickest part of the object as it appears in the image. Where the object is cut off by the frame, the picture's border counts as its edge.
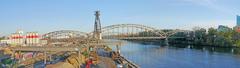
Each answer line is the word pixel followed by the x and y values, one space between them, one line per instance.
pixel 238 20
pixel 50 15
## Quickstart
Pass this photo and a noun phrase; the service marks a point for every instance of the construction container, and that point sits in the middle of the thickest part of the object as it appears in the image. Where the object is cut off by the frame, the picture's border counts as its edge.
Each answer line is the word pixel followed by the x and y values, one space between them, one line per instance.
pixel 28 55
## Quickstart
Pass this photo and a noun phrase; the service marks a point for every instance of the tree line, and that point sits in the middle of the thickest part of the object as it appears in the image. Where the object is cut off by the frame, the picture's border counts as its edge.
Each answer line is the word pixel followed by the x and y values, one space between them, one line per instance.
pixel 216 37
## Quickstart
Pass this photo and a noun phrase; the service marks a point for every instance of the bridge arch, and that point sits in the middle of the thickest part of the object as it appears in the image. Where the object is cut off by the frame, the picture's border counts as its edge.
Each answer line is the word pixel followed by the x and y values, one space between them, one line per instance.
pixel 131 31
pixel 65 34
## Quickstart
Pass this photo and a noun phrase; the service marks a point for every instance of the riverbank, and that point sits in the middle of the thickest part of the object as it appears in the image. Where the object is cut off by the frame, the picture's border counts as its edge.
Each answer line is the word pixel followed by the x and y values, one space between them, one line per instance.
pixel 174 42
pixel 211 48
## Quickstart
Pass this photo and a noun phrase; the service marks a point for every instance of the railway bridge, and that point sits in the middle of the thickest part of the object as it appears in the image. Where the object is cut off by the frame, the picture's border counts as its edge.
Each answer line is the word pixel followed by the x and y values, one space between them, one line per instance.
pixel 74 41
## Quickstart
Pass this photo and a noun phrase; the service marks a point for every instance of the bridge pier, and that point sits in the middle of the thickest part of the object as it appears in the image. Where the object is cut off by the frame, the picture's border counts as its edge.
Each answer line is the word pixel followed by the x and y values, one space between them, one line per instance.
pixel 166 41
pixel 50 58
pixel 118 49
pixel 14 59
pixel 45 57
pixel 79 54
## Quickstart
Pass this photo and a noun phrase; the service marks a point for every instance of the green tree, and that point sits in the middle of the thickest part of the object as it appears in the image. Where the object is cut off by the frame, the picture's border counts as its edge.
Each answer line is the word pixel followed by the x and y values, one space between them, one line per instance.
pixel 200 36
pixel 237 42
pixel 1 38
pixel 211 36
pixel 227 37
pixel 236 38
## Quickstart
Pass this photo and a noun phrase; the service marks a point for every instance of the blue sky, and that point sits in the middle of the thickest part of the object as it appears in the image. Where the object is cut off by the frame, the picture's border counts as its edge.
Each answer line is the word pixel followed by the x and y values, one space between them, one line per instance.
pixel 50 15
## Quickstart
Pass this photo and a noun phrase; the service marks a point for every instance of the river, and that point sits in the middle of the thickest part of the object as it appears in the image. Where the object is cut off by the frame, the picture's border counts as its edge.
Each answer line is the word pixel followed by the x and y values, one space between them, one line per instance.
pixel 157 56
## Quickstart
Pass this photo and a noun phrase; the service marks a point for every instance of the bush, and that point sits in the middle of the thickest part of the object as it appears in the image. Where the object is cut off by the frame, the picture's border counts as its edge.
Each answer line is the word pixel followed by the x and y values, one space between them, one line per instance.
pixel 237 42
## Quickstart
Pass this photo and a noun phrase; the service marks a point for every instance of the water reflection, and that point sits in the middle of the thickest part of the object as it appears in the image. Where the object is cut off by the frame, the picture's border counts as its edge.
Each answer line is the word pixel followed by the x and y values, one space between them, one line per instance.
pixel 181 56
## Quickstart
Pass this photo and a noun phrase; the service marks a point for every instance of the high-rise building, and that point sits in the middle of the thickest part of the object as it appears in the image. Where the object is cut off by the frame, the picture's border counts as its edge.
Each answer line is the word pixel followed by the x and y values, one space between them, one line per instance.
pixel 222 28
pixel 238 20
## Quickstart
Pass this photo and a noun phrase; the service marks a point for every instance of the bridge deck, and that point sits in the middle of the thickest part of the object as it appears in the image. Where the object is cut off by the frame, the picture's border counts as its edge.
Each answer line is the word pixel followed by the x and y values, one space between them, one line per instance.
pixel 45 48
pixel 139 37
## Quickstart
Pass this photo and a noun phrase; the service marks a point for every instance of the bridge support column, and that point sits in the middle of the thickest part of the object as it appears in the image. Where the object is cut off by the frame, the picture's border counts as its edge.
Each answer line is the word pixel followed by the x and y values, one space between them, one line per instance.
pixel 118 49
pixel 79 56
pixel 19 56
pixel 50 58
pixel 166 41
pixel 14 59
pixel 45 57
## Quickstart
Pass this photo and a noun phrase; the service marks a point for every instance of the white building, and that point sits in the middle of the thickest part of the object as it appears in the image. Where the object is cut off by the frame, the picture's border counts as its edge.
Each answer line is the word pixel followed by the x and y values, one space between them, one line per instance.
pixel 5 41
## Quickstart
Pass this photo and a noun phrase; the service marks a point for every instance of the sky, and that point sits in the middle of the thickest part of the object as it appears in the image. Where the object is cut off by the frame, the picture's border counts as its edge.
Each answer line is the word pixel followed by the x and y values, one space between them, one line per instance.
pixel 44 16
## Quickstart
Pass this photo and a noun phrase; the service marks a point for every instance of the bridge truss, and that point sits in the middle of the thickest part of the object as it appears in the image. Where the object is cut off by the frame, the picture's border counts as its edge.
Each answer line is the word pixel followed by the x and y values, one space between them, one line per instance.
pixel 65 34
pixel 118 31
pixel 135 31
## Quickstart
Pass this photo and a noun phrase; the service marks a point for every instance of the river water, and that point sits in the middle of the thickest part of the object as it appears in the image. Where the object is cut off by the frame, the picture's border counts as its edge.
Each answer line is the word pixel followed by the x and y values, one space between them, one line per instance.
pixel 157 56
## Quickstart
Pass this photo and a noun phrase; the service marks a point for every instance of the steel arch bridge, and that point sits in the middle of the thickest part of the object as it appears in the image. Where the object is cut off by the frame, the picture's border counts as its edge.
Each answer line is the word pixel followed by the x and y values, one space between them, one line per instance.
pixel 135 31
pixel 117 31
pixel 65 34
